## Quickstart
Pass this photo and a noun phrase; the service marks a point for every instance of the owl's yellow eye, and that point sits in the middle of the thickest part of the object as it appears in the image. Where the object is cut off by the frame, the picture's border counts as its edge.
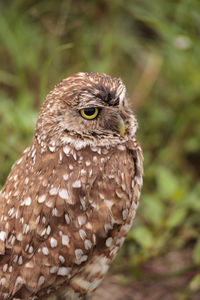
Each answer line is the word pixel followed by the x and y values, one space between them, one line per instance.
pixel 89 113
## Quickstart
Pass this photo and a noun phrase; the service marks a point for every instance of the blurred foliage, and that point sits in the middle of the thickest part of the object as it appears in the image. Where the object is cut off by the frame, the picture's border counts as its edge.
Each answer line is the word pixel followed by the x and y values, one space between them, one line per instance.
pixel 154 47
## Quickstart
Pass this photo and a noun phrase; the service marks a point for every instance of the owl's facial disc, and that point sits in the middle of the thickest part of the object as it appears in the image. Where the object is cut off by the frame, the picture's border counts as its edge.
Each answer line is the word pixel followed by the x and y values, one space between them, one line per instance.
pixel 91 113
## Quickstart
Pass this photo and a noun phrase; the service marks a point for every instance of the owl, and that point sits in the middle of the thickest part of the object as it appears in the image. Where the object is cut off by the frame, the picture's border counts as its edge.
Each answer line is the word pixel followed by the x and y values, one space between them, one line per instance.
pixel 70 199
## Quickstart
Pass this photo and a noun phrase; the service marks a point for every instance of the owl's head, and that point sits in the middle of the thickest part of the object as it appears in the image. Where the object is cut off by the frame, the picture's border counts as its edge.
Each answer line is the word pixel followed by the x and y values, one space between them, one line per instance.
pixel 86 108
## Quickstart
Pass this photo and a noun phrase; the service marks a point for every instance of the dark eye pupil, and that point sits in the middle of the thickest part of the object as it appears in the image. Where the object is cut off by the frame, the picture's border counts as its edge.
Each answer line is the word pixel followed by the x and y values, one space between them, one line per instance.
pixel 89 111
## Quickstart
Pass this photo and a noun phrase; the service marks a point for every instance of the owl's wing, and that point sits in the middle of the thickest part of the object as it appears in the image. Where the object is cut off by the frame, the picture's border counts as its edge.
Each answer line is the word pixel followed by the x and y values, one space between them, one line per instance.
pixel 60 210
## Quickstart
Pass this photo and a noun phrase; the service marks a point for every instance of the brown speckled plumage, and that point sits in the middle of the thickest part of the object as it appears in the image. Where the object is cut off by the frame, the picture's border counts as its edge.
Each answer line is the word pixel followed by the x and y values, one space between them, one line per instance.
pixel 70 199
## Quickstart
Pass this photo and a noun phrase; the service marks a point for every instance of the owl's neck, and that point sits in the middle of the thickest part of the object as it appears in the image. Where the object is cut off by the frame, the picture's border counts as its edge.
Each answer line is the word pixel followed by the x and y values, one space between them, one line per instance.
pixel 78 141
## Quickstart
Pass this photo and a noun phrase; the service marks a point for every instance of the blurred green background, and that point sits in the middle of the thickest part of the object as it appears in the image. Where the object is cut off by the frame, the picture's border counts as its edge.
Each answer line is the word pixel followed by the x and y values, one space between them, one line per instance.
pixel 154 46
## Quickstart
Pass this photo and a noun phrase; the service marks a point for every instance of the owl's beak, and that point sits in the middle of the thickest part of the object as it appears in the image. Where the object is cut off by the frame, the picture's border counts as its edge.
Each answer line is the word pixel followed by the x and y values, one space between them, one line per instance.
pixel 121 127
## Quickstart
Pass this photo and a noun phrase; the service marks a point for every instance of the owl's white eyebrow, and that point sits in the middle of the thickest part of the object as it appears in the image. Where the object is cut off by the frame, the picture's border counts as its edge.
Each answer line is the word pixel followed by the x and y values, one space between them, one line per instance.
pixel 92 104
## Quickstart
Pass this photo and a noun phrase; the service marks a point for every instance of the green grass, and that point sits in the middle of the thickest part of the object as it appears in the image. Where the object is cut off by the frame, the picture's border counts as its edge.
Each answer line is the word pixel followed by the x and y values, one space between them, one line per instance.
pixel 154 47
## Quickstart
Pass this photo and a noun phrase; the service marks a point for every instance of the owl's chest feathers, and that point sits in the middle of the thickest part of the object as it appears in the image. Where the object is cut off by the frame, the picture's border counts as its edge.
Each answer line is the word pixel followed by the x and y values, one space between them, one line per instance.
pixel 100 181
pixel 80 202
pixel 94 181
pixel 97 182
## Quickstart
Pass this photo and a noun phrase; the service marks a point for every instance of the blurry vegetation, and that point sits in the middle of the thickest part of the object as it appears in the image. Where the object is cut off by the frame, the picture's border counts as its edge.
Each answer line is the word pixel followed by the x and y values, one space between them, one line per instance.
pixel 154 46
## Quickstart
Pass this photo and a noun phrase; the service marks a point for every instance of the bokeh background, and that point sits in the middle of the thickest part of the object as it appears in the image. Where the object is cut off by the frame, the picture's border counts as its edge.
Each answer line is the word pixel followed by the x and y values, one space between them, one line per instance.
pixel 154 46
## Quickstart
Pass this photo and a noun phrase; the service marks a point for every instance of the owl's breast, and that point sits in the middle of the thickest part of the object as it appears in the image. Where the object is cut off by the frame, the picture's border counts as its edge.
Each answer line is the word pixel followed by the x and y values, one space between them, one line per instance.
pixel 112 206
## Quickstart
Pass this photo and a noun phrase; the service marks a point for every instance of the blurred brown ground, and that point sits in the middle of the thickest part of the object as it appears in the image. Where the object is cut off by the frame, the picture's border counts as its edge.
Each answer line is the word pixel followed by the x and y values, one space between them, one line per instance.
pixel 160 287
